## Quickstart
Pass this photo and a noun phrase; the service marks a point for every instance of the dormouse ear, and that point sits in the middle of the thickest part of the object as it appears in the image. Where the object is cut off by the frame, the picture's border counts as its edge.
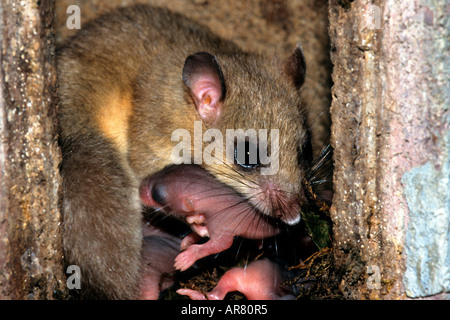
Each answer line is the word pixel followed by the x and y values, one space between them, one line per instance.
pixel 204 78
pixel 295 67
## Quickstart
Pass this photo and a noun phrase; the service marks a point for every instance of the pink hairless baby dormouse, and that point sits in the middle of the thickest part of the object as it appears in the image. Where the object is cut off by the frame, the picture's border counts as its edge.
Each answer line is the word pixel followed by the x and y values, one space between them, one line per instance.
pixel 211 208
pixel 260 280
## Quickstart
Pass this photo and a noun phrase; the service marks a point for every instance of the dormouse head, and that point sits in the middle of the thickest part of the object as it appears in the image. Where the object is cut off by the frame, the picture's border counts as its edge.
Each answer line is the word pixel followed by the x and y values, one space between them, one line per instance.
pixel 255 137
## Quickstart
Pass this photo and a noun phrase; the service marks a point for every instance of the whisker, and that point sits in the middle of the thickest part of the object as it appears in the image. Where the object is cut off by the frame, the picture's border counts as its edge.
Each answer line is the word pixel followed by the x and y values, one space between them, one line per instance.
pixel 319 161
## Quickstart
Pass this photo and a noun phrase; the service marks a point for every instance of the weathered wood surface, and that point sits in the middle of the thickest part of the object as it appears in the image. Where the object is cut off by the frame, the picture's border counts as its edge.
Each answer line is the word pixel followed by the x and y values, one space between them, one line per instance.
pixel 30 238
pixel 390 135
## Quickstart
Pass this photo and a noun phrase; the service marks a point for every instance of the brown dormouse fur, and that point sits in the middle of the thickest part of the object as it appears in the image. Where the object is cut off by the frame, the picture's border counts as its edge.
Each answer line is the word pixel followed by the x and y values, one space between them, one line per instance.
pixel 128 80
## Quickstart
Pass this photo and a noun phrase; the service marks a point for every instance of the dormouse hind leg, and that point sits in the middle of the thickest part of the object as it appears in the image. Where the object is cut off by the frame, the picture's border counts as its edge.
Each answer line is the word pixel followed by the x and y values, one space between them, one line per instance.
pixel 197 251
pixel 102 232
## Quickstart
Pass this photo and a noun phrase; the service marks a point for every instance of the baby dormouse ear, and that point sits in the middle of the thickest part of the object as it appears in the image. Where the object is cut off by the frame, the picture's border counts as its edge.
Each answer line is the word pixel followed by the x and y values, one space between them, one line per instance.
pixel 204 78
pixel 295 67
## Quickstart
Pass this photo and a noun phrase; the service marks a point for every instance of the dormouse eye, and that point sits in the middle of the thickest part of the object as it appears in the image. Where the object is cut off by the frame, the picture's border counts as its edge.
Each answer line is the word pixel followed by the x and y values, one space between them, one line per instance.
pixel 246 155
pixel 159 194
